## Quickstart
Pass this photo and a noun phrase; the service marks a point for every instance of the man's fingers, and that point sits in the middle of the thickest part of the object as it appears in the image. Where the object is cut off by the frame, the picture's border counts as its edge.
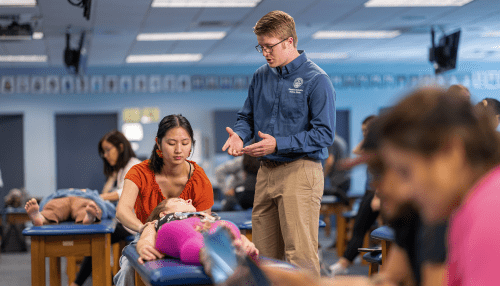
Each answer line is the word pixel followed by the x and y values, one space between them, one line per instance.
pixel 230 131
pixel 224 148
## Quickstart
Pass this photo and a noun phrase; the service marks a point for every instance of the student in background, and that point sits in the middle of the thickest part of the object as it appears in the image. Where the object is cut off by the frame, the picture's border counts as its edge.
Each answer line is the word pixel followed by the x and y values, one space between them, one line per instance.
pixel 229 175
pixel 339 179
pixel 494 108
pixel 366 215
pixel 118 158
pixel 237 178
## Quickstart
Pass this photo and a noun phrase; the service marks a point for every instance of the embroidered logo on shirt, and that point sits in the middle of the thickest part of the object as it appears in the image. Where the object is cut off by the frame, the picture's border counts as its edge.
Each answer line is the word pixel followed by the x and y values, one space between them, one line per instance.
pixel 298 82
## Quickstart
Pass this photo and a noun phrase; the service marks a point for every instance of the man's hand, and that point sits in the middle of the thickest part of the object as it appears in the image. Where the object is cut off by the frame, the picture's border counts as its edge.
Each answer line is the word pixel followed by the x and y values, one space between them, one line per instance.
pixel 233 144
pixel 265 147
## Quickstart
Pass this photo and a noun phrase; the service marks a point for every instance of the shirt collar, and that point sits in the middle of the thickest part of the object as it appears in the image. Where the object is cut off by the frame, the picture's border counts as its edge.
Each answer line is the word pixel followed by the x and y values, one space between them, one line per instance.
pixel 293 65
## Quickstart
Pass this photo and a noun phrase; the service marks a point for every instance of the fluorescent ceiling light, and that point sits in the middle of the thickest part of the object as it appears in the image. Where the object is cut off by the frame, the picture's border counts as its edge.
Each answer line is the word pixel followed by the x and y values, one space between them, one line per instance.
pixel 204 3
pixel 163 58
pixel 327 56
pixel 26 58
pixel 37 35
pixel 415 3
pixel 181 36
pixel 17 3
pixel 355 34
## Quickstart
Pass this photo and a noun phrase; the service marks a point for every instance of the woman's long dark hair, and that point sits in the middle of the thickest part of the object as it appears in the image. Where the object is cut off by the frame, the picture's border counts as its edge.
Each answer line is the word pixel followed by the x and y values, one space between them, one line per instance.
pixel 116 138
pixel 168 122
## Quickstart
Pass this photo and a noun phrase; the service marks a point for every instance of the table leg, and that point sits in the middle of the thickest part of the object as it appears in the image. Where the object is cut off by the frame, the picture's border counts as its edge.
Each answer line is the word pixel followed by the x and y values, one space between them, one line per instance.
pixel 37 261
pixel 71 268
pixel 341 234
pixel 101 259
pixel 386 245
pixel 55 271
pixel 138 280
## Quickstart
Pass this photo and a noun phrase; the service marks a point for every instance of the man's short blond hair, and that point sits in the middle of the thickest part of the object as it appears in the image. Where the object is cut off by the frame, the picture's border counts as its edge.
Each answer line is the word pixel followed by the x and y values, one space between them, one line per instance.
pixel 276 24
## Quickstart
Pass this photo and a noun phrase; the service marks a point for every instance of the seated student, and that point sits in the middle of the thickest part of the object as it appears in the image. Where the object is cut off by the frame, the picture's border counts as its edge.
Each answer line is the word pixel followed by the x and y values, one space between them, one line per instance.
pixel 81 205
pixel 175 229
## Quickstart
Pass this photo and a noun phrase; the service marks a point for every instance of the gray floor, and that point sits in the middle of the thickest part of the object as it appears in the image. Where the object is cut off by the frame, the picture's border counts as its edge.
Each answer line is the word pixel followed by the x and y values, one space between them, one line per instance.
pixel 15 268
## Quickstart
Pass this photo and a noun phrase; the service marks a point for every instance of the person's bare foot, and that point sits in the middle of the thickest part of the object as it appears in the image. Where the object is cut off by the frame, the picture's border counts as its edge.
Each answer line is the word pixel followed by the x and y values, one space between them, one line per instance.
pixel 93 213
pixel 32 209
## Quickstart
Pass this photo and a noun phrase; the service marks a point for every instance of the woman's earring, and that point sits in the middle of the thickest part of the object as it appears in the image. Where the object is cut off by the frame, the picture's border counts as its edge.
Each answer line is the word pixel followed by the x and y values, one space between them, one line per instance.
pixel 159 153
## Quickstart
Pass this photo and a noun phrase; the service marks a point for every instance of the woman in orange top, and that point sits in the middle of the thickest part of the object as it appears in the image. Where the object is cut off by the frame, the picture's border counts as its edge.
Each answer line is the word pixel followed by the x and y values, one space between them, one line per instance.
pixel 167 174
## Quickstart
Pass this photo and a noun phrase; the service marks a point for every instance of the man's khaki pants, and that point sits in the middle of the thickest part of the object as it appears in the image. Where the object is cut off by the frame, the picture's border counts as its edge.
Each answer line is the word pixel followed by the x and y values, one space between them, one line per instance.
pixel 285 216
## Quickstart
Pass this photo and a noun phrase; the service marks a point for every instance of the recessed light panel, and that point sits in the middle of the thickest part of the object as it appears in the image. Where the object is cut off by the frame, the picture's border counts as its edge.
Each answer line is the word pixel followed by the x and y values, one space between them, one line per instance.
pixel 164 58
pixel 416 3
pixel 355 34
pixel 181 36
pixel 204 3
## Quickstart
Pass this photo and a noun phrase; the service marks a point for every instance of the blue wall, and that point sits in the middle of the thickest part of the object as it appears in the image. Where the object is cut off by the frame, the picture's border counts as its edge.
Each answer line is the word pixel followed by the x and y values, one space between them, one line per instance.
pixel 39 110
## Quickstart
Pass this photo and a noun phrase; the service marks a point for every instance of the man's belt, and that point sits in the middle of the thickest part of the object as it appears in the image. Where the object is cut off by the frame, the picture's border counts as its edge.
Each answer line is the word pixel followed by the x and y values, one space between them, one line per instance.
pixel 271 163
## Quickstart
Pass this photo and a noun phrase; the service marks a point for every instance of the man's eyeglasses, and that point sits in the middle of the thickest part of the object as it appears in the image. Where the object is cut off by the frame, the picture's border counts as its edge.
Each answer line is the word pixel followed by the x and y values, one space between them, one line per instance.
pixel 260 48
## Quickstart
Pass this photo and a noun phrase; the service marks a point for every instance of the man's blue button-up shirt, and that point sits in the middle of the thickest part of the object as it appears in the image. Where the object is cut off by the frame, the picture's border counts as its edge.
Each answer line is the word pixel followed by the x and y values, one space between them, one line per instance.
pixel 295 104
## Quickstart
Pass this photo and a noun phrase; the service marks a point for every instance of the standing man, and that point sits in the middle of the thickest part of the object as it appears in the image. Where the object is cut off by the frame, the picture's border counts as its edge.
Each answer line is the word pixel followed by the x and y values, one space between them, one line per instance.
pixel 291 107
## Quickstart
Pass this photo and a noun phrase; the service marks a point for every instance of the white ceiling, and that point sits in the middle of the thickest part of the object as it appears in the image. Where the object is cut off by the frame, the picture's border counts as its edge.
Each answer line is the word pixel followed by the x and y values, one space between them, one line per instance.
pixel 114 25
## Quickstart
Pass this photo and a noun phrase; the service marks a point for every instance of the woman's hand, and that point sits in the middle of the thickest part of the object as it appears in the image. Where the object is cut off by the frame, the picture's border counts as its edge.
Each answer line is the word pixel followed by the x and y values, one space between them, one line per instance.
pixel 148 252
pixel 146 244
pixel 246 246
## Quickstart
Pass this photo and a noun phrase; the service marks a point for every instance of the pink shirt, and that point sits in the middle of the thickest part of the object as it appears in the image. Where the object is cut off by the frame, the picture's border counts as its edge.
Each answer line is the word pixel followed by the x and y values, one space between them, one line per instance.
pixel 180 239
pixel 474 235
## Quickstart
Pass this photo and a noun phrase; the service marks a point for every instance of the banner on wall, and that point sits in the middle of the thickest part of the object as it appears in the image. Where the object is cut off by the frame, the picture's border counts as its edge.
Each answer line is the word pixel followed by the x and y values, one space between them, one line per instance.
pixel 67 84
pixel 340 81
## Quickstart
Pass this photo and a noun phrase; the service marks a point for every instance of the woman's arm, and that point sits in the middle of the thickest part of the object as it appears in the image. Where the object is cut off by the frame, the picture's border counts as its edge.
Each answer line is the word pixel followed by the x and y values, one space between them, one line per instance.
pixel 111 196
pixel 108 186
pixel 146 244
pixel 125 208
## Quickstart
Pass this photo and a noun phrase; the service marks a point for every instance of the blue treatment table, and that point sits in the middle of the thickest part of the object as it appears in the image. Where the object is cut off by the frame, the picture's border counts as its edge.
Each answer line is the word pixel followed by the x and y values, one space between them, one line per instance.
pixel 243 220
pixel 68 239
pixel 170 271
pixel 386 235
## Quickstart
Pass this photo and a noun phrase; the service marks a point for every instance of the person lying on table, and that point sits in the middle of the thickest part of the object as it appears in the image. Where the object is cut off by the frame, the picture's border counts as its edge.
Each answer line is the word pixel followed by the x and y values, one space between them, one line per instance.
pixel 81 205
pixel 175 228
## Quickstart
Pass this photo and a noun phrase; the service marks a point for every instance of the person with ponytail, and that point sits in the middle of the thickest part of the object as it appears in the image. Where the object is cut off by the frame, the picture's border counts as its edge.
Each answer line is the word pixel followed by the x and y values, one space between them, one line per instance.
pixel 167 174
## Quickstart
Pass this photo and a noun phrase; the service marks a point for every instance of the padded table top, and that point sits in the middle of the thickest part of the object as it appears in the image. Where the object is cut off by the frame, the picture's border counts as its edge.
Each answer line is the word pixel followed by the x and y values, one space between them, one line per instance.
pixel 167 271
pixel 170 271
pixel 70 228
pixel 383 233
pixel 242 219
